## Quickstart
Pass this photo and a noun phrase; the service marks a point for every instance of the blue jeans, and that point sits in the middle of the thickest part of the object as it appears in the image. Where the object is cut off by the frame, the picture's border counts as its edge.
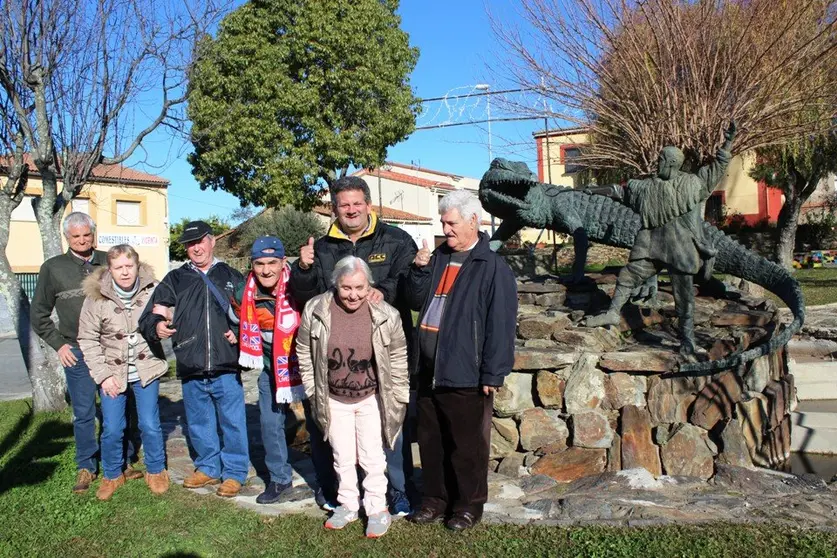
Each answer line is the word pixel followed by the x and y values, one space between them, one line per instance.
pixel 82 390
pixel 113 429
pixel 210 402
pixel 272 419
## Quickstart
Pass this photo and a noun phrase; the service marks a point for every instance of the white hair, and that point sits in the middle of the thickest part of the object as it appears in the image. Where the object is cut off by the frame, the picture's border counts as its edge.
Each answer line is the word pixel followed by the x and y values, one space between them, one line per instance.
pixel 78 219
pixel 463 201
pixel 348 266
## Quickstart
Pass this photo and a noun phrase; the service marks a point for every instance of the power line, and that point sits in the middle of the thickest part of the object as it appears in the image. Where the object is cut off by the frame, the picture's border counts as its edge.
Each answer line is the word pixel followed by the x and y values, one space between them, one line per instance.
pixel 484 93
pixel 472 122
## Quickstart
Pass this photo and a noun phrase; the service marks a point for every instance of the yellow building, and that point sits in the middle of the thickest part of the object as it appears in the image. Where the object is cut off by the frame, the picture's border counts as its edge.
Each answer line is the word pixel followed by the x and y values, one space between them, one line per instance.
pixel 737 195
pixel 128 206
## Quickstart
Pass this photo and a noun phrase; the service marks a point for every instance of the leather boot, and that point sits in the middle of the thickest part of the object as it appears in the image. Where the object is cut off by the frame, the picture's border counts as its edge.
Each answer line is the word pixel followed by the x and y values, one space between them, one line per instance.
pixel 108 487
pixel 157 482
pixel 614 315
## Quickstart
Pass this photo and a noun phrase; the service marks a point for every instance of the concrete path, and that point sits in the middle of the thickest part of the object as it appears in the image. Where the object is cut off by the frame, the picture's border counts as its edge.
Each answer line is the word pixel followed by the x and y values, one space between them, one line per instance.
pixel 14 381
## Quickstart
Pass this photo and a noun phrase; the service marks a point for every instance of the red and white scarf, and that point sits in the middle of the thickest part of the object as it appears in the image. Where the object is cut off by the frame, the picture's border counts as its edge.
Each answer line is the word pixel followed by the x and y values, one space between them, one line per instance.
pixel 289 386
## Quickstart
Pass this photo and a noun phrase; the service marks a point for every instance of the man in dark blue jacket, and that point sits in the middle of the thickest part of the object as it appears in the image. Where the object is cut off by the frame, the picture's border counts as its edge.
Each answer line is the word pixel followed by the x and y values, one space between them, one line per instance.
pixel 468 300
pixel 199 293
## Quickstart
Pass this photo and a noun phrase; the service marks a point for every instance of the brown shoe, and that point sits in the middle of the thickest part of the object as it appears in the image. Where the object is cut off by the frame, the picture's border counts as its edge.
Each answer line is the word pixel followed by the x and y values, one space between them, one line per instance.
pixel 83 481
pixel 133 474
pixel 108 487
pixel 157 482
pixel 229 489
pixel 199 479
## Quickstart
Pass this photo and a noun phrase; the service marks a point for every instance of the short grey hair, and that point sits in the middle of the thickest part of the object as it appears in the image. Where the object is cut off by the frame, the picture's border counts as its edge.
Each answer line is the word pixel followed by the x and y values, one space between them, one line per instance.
pixel 78 219
pixel 463 201
pixel 348 266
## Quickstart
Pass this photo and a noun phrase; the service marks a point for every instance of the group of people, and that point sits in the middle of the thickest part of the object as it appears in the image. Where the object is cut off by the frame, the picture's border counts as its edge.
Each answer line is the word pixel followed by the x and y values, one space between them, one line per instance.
pixel 333 331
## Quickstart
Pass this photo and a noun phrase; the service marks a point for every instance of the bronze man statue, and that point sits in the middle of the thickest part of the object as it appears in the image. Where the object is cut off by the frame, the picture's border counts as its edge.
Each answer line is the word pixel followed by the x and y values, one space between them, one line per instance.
pixel 672 236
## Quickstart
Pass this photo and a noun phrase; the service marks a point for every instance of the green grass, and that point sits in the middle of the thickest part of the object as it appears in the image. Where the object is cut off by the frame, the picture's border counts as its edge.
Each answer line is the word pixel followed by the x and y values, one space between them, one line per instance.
pixel 818 285
pixel 40 517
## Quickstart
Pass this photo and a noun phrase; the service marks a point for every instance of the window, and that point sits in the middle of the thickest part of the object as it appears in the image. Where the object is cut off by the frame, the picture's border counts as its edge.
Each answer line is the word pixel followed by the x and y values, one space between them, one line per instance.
pixel 569 155
pixel 24 211
pixel 81 205
pixel 128 213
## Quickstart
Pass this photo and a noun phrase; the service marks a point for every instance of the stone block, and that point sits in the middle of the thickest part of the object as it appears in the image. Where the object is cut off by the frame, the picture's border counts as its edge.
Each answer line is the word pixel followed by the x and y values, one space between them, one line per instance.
pixel 571 464
pixel 650 361
pixel 689 452
pixel 515 395
pixel 734 450
pixel 624 389
pixel 526 298
pixel 789 391
pixel 638 450
pixel 638 317
pixel 776 405
pixel 511 465
pixel 758 374
pixel 585 385
pixel 668 398
pixel 541 359
pixel 551 300
pixel 726 318
pixel 591 429
pixel 504 437
pixel 539 344
pixel 592 340
pixel 542 327
pixel 614 454
pixel 541 288
pixel 539 427
pixel 716 401
pixel 752 413
pixel 550 389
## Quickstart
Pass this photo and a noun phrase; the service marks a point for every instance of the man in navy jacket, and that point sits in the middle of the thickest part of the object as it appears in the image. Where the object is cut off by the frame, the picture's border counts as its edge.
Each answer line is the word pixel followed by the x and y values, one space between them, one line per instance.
pixel 467 296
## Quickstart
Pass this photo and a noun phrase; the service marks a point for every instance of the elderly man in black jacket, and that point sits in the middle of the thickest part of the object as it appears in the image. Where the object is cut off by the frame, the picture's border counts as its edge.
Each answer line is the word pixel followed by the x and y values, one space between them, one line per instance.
pixel 388 251
pixel 467 295
pixel 207 359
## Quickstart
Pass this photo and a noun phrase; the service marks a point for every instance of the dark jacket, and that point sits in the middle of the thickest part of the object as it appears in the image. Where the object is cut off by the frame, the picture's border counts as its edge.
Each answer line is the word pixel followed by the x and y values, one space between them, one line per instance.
pixel 59 287
pixel 388 250
pixel 476 335
pixel 199 343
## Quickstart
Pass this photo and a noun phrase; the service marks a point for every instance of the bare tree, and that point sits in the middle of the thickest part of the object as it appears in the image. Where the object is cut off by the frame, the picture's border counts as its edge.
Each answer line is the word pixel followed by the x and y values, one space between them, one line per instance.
pixel 643 74
pixel 84 83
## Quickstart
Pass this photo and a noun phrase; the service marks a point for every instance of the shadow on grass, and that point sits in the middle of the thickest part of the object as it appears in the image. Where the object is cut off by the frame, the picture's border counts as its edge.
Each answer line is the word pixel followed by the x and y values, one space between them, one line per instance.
pixel 29 466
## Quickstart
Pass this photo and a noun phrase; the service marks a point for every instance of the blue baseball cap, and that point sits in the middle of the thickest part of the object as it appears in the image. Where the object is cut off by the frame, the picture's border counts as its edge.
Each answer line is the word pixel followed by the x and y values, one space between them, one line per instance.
pixel 267 247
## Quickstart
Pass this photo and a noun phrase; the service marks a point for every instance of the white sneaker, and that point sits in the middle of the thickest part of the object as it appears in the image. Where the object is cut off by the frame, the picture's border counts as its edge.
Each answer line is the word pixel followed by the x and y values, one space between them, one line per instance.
pixel 378 525
pixel 341 517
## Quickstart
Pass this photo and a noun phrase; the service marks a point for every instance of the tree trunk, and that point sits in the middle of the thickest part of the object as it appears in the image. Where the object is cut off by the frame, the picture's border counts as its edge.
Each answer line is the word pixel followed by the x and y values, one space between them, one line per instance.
pixel 786 225
pixel 45 371
pixel 49 211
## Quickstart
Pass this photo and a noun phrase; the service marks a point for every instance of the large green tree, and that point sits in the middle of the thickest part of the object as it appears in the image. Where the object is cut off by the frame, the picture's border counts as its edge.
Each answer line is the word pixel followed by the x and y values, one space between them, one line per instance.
pixel 294 92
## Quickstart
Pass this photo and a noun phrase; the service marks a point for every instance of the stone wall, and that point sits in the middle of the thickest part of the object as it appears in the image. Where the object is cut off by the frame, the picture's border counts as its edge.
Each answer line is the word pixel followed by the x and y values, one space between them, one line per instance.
pixel 581 401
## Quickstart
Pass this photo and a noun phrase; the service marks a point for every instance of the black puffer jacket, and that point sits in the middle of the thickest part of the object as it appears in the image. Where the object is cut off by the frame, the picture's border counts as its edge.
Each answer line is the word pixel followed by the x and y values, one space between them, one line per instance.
pixel 199 342
pixel 476 336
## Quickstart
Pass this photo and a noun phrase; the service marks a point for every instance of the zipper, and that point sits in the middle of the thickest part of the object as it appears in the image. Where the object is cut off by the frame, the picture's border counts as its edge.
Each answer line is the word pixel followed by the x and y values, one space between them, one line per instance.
pixel 476 348
pixel 208 318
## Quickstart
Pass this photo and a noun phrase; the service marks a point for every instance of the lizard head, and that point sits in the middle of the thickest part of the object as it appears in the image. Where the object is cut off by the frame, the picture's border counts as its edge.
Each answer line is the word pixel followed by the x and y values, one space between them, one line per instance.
pixel 504 188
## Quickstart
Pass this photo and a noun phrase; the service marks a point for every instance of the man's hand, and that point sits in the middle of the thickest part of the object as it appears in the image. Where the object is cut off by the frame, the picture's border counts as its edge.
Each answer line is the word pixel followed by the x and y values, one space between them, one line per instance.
pixel 422 256
pixel 164 331
pixel 66 356
pixel 230 336
pixel 375 296
pixel 164 311
pixel 488 390
pixel 729 134
pixel 306 254
pixel 110 387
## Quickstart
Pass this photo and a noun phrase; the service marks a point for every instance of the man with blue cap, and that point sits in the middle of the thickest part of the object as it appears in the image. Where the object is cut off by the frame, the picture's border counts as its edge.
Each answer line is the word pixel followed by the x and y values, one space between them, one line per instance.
pixel 268 319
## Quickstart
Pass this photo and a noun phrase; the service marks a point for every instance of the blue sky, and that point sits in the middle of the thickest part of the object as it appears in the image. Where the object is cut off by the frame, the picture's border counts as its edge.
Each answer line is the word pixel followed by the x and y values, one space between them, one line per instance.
pixel 457 47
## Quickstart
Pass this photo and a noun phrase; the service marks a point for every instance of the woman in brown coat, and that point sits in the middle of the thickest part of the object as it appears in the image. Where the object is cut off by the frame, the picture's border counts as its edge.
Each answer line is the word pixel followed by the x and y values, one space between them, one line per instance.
pixel 120 359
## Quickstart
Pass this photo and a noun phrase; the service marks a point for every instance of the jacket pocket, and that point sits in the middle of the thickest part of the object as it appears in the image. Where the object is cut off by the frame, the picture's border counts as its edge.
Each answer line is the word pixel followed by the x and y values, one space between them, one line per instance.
pixel 186 342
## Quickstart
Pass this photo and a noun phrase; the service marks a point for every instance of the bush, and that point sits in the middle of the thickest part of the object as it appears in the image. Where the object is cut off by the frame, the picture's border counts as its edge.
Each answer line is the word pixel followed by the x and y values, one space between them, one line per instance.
pixel 293 227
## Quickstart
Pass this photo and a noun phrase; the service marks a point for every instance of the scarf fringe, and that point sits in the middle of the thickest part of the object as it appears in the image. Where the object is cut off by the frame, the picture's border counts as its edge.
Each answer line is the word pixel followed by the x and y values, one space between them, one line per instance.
pixel 250 361
pixel 290 394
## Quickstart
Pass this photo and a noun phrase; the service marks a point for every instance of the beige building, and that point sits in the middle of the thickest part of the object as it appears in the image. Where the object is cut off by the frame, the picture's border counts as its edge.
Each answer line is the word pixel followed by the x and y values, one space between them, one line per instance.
pixel 738 194
pixel 129 207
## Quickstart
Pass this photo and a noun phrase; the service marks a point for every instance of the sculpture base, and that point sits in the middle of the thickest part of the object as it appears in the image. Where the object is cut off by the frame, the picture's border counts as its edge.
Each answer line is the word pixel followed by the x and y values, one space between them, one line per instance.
pixel 582 401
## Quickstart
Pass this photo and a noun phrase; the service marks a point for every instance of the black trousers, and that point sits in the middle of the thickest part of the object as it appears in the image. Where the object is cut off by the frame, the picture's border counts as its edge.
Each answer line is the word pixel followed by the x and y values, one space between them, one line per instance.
pixel 454 431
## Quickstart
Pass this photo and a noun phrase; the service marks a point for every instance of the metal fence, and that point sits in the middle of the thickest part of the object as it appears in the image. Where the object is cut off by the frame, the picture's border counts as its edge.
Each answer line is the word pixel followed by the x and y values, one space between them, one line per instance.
pixel 28 281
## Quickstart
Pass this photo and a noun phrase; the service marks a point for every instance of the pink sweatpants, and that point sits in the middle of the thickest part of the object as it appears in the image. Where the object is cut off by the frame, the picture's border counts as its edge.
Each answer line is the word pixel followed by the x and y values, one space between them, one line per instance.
pixel 354 433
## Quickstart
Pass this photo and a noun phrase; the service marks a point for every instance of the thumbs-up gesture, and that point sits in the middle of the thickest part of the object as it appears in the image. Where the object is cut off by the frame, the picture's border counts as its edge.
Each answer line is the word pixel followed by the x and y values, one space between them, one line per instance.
pixel 422 256
pixel 306 254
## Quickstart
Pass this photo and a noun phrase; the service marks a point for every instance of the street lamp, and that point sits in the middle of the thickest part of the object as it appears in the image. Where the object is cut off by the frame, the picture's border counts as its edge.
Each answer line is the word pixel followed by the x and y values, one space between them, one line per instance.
pixel 485 87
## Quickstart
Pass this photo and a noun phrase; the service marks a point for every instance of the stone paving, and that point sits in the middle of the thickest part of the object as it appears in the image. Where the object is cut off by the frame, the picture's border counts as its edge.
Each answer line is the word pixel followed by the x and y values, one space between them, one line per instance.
pixel 625 498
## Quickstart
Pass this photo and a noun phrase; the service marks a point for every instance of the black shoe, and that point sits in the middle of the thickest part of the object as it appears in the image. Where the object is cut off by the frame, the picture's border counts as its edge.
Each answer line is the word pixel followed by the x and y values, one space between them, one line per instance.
pixel 324 502
pixel 426 515
pixel 272 493
pixel 461 521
